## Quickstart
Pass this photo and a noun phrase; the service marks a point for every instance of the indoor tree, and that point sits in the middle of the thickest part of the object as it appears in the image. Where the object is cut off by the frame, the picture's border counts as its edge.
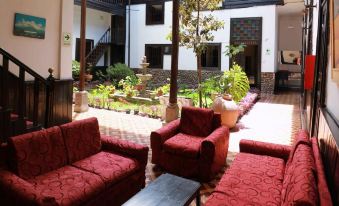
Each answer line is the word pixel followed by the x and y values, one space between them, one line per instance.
pixel 196 27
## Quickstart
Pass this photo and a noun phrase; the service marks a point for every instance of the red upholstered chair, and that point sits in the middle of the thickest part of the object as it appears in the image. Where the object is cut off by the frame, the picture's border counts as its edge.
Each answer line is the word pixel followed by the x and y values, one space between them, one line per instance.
pixel 194 146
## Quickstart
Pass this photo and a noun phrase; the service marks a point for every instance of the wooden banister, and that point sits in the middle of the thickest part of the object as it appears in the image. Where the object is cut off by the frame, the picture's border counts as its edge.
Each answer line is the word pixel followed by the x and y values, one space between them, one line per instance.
pixel 41 86
pixel 105 39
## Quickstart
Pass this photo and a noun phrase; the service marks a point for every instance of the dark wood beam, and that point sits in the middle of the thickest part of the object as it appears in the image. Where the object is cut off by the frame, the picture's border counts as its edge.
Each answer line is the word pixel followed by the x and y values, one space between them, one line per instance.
pixel 82 46
pixel 175 53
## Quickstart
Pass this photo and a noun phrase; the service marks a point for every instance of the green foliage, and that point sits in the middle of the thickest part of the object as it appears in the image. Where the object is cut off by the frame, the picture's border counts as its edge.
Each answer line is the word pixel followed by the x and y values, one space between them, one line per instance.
pixel 235 82
pixel 196 27
pixel 75 69
pixel 211 85
pixel 163 90
pixel 234 50
pixel 101 77
pixel 128 85
pixel 118 72
pixel 99 96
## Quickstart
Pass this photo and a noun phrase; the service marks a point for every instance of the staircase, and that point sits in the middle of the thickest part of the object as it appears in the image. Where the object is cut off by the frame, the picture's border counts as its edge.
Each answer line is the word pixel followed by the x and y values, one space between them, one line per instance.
pixel 25 106
pixel 99 49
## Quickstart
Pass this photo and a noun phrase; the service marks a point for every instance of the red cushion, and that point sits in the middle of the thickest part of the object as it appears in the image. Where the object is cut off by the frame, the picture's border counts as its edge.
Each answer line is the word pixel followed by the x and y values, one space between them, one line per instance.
pixel 264 166
pixel 299 185
pixel 196 121
pixel 183 145
pixel 110 167
pixel 69 185
pixel 249 188
pixel 251 180
pixel 37 153
pixel 82 139
pixel 324 194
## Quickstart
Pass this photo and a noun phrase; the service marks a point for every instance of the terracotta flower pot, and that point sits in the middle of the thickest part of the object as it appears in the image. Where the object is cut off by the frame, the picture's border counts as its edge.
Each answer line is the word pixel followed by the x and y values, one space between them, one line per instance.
pixel 228 109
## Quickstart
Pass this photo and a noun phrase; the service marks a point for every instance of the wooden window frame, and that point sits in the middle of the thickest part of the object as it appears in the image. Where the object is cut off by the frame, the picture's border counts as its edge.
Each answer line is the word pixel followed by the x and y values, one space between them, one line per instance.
pixel 219 58
pixel 148 19
pixel 335 51
pixel 162 52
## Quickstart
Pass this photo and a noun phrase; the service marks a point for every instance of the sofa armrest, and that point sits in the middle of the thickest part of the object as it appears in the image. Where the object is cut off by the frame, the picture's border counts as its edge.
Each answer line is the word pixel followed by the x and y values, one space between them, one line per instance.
pixel 215 143
pixel 136 151
pixel 166 132
pixel 160 136
pixel 263 148
pixel 17 191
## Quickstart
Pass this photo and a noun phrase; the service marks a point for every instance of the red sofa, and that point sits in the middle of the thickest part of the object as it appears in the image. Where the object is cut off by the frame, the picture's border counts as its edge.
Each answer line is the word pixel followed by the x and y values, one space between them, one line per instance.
pixel 194 146
pixel 70 165
pixel 271 174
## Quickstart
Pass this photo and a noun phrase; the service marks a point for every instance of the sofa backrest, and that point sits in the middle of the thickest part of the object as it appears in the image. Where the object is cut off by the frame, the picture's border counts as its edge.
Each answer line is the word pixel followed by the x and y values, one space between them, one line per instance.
pixel 299 184
pixel 324 193
pixel 36 153
pixel 196 121
pixel 82 139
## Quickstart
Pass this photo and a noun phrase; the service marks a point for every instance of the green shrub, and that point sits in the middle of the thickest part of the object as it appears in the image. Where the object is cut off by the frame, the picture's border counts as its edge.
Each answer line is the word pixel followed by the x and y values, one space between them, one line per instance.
pixel 235 82
pixel 75 69
pixel 118 72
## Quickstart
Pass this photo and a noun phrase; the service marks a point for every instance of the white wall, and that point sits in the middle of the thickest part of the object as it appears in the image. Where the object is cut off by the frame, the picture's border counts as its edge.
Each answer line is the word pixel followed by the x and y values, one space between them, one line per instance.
pixel 97 22
pixel 39 54
pixel 142 34
pixel 290 37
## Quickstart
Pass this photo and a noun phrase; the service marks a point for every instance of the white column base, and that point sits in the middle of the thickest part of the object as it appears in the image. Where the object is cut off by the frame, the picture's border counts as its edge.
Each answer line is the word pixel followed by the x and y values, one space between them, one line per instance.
pixel 81 102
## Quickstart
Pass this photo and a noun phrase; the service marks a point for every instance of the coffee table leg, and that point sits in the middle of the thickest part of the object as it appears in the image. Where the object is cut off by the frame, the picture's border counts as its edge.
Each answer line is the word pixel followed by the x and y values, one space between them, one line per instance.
pixel 198 198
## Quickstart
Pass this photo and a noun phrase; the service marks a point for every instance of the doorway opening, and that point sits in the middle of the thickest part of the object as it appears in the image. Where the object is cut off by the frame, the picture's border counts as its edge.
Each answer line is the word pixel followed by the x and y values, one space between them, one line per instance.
pixel 248 31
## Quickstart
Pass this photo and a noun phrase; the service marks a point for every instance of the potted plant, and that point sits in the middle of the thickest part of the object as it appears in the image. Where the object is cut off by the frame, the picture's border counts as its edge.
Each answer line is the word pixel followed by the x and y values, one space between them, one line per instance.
pixel 235 85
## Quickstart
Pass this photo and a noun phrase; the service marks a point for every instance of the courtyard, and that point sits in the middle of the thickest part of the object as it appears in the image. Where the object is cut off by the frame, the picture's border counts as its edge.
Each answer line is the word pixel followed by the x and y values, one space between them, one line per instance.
pixel 274 118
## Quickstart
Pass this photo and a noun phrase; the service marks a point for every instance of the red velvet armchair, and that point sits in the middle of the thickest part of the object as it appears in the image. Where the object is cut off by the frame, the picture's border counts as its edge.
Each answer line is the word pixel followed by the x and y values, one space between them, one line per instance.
pixel 194 146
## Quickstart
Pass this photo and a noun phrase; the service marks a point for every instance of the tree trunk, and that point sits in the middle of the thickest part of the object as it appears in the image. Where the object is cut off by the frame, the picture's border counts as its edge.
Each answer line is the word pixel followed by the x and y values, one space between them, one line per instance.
pixel 199 57
pixel 199 79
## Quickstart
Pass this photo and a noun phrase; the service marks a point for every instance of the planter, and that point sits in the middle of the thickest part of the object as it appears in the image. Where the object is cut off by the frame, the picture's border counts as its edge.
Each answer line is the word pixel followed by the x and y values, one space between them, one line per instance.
pixel 136 112
pixel 228 109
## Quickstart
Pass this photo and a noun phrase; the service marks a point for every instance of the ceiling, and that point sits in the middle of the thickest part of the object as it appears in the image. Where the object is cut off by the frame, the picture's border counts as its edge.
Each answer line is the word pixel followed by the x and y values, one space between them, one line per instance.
pixel 292 7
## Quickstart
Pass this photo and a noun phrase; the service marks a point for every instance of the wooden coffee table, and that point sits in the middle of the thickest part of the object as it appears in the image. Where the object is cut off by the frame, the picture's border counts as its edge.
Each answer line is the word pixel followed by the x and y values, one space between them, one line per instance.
pixel 167 190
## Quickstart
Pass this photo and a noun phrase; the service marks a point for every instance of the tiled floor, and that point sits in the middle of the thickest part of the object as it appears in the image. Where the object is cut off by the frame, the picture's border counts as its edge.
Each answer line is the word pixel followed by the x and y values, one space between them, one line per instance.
pixel 275 118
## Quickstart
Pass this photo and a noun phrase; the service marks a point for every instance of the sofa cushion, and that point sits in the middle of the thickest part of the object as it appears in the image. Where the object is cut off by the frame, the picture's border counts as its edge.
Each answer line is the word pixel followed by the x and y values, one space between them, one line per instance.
pixel 249 188
pixel 69 185
pixel 82 139
pixel 110 167
pixel 250 180
pixel 183 145
pixel 324 193
pixel 36 153
pixel 299 185
pixel 264 166
pixel 196 121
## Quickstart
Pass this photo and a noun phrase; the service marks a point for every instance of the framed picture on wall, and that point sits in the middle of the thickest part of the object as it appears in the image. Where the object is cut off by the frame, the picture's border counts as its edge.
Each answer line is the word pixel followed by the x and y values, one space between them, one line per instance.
pixel 334 21
pixel 29 26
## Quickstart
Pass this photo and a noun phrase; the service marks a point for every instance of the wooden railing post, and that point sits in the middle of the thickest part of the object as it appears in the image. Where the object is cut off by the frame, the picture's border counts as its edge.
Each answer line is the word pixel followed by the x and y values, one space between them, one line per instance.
pixel 49 99
pixel 5 113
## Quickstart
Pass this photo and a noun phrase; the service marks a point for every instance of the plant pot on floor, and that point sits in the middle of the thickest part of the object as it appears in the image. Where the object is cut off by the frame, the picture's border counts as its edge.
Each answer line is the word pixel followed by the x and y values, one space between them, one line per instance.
pixel 228 109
